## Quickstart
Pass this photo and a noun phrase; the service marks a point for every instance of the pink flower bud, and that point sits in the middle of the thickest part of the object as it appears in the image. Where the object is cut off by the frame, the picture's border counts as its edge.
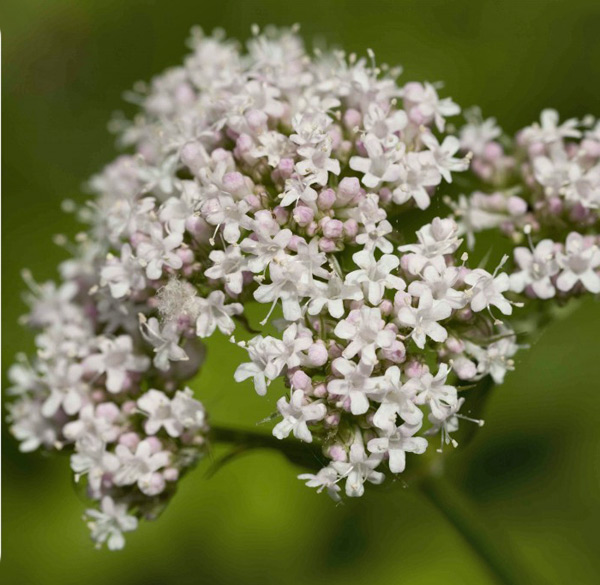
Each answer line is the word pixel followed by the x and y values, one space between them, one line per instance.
pixel 303 215
pixel 198 228
pixel 286 168
pixel 108 410
pixel 194 156
pixel 171 474
pixel 281 214
pixel 415 369
pixel 234 183
pixel 350 228
pixel 243 144
pixel 352 118
pixel 156 484
pixel 129 407
pixel 516 206
pixel 155 444
pixel 317 354
pixel 333 229
pixel 416 116
pixel 591 147
pixel 320 391
pixel 337 452
pixel 492 151
pixel 326 199
pixel 326 245
pixel 348 188
pixel 455 345
pixel 464 368
pixel 130 440
pixel 536 149
pixel 184 94
pixel 395 353
pixel 257 119
pixel 186 255
pixel 300 380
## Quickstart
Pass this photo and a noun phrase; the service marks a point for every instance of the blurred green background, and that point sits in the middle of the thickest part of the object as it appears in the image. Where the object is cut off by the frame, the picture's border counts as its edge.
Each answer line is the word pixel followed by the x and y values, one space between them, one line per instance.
pixel 533 472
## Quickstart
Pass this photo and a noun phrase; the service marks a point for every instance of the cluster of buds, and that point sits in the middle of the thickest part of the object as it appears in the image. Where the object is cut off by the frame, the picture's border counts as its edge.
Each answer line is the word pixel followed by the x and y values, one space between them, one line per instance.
pixel 542 190
pixel 275 176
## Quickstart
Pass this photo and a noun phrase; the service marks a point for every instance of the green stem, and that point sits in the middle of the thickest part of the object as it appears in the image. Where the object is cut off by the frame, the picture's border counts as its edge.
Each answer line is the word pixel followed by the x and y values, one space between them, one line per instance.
pixel 304 454
pixel 497 555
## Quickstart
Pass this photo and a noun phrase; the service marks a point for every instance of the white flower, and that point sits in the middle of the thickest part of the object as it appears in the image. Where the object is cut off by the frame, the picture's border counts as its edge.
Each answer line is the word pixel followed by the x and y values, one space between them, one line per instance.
pixel 374 236
pixel 165 342
pixel 110 522
pixel 379 166
pixel 97 421
pixel 443 155
pixel 433 390
pixel 579 263
pixel 396 445
pixel 439 283
pixel 496 358
pixel 91 458
pixel 332 294
pixel 375 275
pixel 435 239
pixel 355 384
pixel 264 248
pixel 29 426
pixel 124 274
pixel 296 414
pixel 232 215
pixel 487 290
pixel 175 211
pixel 317 163
pixel 187 410
pixel 359 469
pixel 474 137
pixel 116 359
pixel 364 328
pixel 213 313
pixel 537 268
pixel 228 265
pixel 158 251
pixel 264 366
pixel 397 399
pixel 384 123
pixel 140 467
pixel 67 390
pixel 418 172
pixel 156 405
pixel 325 478
pixel 285 285
pixel 549 130
pixel 423 319
pixel 424 98
pixel 298 189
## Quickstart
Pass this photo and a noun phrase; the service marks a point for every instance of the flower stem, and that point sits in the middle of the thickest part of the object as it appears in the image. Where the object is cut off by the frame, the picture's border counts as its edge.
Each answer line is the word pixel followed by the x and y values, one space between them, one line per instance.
pixel 306 455
pixel 497 555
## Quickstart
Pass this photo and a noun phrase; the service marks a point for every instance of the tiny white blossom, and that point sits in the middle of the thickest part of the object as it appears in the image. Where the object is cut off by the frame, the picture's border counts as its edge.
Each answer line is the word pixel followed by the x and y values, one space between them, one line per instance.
pixel 296 414
pixel 213 313
pixel 423 319
pixel 396 445
pixel 110 522
pixel 579 263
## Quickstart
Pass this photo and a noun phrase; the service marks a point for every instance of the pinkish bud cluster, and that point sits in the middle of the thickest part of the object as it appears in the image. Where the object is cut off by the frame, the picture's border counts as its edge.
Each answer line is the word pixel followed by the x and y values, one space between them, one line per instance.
pixel 541 189
pixel 278 177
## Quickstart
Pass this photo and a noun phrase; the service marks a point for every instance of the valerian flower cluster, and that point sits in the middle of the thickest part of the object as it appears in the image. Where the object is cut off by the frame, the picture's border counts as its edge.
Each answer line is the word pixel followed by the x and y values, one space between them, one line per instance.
pixel 276 176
